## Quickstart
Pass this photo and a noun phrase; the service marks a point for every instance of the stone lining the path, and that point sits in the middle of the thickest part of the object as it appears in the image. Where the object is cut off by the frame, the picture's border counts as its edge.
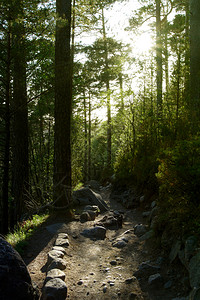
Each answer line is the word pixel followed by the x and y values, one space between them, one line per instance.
pixel 55 287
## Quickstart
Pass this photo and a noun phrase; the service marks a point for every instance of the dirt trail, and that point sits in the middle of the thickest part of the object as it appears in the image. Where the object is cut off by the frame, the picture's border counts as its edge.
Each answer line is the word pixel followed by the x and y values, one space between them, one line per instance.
pixel 95 269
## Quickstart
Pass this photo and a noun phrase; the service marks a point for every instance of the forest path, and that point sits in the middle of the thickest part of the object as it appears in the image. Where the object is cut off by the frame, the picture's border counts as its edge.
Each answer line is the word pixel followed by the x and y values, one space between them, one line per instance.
pixel 95 269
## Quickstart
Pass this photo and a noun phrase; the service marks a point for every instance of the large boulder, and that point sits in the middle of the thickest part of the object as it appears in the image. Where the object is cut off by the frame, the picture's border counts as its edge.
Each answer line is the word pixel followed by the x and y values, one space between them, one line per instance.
pixel 97 232
pixel 112 220
pixel 94 185
pixel 15 281
pixel 140 229
pixel 194 271
pixel 145 270
pixel 85 196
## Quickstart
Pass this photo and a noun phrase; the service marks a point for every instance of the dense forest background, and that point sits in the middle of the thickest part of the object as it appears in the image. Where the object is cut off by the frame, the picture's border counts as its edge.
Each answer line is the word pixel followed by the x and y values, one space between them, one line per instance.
pixel 61 65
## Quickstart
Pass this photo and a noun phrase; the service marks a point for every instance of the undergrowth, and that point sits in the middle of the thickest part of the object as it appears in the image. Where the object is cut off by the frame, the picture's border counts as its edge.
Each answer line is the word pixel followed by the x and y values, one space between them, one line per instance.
pixel 24 230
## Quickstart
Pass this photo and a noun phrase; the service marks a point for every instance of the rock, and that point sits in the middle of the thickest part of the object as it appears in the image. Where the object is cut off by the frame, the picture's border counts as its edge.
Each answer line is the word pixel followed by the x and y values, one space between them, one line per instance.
pixel 155 280
pixel 153 213
pixel 174 251
pixel 127 232
pixel 132 296
pixel 123 239
pixel 140 229
pixel 130 280
pixel 55 273
pixel 80 282
pixel 181 256
pixel 58 248
pixel 84 217
pixel 168 284
pixel 111 221
pixel 148 235
pixel 86 196
pixel 53 254
pixel 145 270
pixel 97 232
pixel 55 289
pixel 94 185
pixel 153 204
pixel 190 247
pixel 57 263
pixel 194 270
pixel 92 207
pixel 63 236
pixel 154 222
pixel 120 244
pixel 113 262
pixel 62 241
pixel 105 289
pixel 92 214
pixel 146 214
pixel 15 281
pixel 142 199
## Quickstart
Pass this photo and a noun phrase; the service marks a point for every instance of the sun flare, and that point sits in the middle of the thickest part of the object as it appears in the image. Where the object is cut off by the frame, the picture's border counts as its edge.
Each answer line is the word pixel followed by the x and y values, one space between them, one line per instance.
pixel 143 43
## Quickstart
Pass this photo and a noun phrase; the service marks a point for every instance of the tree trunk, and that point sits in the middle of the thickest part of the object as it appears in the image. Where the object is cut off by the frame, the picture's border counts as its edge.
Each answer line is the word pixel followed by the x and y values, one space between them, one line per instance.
pixel 195 62
pixel 20 116
pixel 158 60
pixel 5 189
pixel 89 140
pixel 85 141
pixel 187 53
pixel 121 93
pixel 109 133
pixel 178 91
pixel 63 103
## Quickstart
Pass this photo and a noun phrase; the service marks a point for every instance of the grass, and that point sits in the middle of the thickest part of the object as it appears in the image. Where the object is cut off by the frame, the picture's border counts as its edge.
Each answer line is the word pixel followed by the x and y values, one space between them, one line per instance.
pixel 23 231
pixel 78 186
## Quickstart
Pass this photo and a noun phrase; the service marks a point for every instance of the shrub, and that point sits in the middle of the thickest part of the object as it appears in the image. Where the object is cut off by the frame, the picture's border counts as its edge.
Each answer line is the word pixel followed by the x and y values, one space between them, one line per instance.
pixel 179 186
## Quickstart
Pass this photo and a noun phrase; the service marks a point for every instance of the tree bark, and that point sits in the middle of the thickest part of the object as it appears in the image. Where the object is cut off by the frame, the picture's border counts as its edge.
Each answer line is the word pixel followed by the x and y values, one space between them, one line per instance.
pixel 85 139
pixel 63 103
pixel 109 132
pixel 89 139
pixel 20 116
pixel 158 59
pixel 5 189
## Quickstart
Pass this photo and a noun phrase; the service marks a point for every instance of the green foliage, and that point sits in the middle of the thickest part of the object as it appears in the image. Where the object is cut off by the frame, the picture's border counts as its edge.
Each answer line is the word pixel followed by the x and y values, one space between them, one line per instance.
pixel 23 231
pixel 179 180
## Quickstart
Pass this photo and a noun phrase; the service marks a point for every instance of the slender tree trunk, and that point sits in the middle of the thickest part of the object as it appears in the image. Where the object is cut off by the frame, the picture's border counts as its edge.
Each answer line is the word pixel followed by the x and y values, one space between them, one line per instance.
pixel 158 60
pixel 63 103
pixel 187 52
pixel 151 105
pixel 73 33
pixel 166 65
pixel 86 137
pixel 121 93
pixel 20 117
pixel 48 159
pixel 195 63
pixel 35 171
pixel 178 91
pixel 109 133
pixel 89 139
pixel 5 189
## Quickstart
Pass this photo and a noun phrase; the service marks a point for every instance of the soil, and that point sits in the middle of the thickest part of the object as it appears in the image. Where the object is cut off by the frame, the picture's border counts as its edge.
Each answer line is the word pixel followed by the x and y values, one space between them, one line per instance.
pixel 90 273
